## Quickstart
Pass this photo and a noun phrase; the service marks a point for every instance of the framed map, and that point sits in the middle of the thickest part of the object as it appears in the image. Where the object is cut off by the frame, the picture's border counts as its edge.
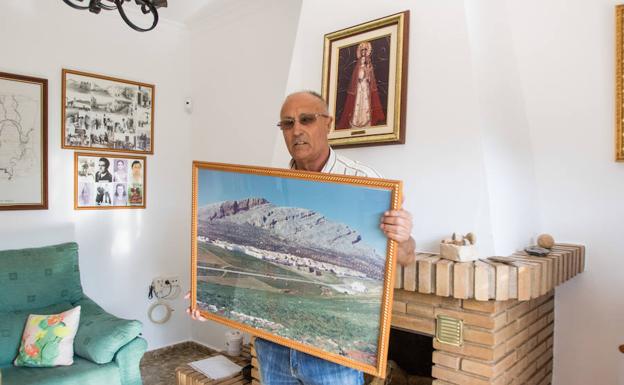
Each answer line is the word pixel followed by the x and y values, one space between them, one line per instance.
pixel 296 258
pixel 105 113
pixel 23 142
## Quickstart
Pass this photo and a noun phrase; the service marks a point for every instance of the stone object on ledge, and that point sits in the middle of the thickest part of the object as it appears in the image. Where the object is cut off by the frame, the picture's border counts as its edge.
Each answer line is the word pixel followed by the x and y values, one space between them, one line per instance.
pixel 537 251
pixel 458 253
pixel 519 276
pixel 459 248
pixel 546 241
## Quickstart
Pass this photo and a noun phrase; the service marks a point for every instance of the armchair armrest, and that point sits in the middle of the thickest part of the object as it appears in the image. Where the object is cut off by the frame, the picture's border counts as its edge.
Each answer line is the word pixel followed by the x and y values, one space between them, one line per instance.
pixel 128 359
pixel 100 334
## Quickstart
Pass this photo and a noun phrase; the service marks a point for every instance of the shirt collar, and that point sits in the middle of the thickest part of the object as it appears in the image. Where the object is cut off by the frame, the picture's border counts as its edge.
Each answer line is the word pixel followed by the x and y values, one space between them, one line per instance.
pixel 329 165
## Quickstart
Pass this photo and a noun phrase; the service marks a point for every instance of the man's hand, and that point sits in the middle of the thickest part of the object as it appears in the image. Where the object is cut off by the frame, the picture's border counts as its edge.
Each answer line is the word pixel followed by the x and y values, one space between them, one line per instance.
pixel 397 225
pixel 193 313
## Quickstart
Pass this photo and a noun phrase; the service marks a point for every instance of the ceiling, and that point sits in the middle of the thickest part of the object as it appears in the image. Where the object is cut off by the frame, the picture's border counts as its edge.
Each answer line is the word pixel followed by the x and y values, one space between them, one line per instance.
pixel 182 11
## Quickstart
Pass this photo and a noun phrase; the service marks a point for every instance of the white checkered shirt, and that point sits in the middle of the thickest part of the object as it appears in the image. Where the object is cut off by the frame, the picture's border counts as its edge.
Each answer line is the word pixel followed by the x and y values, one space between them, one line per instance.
pixel 338 164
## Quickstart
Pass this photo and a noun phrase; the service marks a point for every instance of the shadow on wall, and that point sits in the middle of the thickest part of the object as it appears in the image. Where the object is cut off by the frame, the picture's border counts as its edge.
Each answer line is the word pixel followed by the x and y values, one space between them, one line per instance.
pixel 18 238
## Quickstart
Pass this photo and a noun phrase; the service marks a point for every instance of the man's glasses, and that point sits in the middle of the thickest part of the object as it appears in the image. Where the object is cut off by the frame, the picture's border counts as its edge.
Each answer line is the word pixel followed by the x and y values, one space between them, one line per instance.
pixel 304 119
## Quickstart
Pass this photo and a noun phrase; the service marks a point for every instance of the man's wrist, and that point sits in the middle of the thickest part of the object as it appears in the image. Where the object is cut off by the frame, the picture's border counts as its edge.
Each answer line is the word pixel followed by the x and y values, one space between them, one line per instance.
pixel 406 252
pixel 408 246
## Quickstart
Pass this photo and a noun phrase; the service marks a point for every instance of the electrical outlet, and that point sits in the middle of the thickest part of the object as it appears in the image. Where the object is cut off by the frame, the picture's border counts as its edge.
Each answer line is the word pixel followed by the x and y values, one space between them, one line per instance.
pixel 158 283
pixel 167 287
pixel 173 280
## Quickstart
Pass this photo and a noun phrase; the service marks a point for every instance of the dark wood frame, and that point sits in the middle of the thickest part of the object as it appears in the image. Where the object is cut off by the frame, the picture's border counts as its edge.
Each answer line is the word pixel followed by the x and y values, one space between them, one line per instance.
pixel 112 79
pixel 395 187
pixel 43 205
pixel 112 156
pixel 359 136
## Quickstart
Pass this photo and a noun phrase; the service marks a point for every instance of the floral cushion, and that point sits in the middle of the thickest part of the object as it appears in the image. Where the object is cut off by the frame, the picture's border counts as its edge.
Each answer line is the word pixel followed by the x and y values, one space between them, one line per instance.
pixel 48 340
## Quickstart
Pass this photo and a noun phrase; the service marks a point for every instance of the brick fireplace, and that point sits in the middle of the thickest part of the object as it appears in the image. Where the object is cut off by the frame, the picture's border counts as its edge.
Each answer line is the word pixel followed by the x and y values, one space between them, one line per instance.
pixel 492 320
pixel 504 307
pixel 504 342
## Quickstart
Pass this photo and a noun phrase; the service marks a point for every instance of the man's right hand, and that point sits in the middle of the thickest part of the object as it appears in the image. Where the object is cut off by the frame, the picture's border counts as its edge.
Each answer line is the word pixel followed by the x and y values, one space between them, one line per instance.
pixel 193 313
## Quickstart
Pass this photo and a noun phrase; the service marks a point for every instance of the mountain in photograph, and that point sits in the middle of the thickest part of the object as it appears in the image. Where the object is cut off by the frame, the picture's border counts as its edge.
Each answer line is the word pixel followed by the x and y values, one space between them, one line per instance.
pixel 259 223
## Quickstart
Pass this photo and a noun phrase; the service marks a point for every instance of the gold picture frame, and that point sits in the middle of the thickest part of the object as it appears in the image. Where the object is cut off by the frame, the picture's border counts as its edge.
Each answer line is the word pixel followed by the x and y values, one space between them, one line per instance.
pixel 261 261
pixel 365 82
pixel 104 113
pixel 107 181
pixel 619 83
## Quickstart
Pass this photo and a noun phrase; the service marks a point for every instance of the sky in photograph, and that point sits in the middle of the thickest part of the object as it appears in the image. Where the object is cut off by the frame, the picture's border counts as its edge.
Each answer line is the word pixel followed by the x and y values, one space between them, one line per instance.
pixel 358 207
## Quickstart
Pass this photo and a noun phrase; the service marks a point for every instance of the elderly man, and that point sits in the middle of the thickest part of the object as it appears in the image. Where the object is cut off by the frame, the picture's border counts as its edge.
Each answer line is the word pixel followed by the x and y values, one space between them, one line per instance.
pixel 305 123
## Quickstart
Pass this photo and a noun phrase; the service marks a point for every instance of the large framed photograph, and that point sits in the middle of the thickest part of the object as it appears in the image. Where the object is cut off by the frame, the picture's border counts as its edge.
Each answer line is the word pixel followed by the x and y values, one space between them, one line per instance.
pixel 104 181
pixel 297 258
pixel 365 82
pixel 23 142
pixel 619 83
pixel 101 112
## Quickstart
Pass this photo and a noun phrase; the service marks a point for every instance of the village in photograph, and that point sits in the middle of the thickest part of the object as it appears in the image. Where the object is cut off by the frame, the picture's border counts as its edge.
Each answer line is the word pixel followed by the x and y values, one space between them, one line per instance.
pixel 296 272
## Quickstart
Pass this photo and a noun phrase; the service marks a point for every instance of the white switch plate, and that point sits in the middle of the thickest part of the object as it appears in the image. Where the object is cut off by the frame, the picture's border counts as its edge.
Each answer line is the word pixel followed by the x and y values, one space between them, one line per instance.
pixel 160 284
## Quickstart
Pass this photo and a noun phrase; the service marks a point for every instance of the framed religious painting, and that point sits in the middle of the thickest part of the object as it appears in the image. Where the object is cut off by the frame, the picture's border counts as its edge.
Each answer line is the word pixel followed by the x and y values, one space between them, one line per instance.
pixel 23 142
pixel 297 258
pixel 107 114
pixel 365 82
pixel 619 83
pixel 105 181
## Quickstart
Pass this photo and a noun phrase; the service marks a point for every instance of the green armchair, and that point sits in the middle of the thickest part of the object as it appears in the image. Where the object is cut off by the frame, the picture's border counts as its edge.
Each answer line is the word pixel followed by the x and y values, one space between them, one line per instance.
pixel 46 280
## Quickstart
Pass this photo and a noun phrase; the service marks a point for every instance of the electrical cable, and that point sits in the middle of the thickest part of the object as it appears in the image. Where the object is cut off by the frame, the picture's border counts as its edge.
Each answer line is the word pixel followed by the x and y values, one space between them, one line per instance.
pixel 160 295
pixel 167 315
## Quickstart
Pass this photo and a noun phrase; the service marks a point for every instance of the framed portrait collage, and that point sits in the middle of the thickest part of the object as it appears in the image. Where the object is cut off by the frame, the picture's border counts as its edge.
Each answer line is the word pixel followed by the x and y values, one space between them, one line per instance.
pixel 109 181
pixel 98 113
pixel 107 114
pixel 103 113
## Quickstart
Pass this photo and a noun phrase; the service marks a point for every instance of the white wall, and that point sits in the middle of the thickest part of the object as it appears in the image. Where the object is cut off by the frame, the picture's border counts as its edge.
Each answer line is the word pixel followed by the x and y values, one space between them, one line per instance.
pixel 565 56
pixel 120 250
pixel 241 52
pixel 442 163
pixel 509 133
pixel 508 157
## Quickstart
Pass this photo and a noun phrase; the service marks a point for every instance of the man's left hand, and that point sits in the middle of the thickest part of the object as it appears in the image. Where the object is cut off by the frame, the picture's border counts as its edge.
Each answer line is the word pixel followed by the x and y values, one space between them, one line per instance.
pixel 397 225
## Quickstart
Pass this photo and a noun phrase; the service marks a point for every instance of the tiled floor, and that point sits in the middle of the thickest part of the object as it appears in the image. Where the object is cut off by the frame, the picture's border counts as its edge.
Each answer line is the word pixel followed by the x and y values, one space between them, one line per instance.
pixel 158 366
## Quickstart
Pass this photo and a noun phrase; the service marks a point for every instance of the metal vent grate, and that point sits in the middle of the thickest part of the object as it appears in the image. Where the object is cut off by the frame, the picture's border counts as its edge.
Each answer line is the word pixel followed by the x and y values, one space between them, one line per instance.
pixel 449 330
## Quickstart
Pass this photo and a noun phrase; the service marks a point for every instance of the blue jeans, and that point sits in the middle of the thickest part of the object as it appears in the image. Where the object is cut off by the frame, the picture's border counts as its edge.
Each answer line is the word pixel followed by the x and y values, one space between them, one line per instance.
pixel 280 365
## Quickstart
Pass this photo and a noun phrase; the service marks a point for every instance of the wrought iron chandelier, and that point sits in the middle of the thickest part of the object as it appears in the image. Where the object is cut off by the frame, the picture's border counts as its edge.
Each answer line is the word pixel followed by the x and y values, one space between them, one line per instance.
pixel 148 9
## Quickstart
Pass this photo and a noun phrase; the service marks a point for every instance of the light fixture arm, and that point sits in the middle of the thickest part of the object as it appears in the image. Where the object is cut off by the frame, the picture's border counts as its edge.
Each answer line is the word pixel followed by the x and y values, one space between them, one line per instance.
pixel 95 6
pixel 146 7
pixel 76 6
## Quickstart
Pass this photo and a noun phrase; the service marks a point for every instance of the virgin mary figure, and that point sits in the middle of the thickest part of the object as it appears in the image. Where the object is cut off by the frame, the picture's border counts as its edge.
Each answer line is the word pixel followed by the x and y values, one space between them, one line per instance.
pixel 362 106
